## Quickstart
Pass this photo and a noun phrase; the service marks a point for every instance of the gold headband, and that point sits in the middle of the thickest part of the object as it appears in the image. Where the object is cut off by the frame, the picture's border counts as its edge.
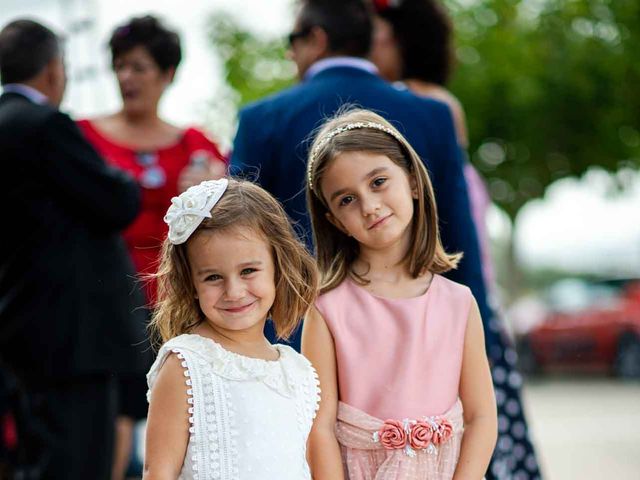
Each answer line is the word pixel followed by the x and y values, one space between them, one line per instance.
pixel 346 128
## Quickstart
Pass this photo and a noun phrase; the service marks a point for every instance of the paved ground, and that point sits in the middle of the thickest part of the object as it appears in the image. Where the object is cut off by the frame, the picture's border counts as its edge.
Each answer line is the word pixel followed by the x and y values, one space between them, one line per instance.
pixel 585 428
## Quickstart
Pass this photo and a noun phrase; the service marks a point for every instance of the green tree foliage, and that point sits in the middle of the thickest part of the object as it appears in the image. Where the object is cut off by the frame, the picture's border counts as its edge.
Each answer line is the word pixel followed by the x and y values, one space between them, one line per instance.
pixel 550 89
pixel 550 86
pixel 254 67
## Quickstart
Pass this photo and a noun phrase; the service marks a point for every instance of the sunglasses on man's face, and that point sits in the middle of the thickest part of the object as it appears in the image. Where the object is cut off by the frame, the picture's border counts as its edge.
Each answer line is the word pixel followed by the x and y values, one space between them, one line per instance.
pixel 294 36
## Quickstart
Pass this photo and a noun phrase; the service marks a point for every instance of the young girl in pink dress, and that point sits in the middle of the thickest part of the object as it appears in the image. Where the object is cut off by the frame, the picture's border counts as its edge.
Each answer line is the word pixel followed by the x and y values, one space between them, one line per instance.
pixel 399 349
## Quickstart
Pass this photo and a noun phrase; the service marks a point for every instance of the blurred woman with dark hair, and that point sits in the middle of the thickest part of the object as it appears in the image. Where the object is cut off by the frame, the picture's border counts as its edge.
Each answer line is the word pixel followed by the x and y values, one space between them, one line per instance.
pixel 412 47
pixel 164 158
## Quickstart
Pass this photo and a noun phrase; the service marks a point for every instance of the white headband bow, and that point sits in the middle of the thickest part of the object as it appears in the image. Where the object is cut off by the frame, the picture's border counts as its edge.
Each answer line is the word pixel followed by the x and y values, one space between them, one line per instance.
pixel 188 209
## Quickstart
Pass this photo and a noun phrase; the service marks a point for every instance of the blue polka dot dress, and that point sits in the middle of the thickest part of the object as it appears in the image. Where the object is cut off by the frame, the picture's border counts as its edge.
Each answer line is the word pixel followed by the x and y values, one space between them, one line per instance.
pixel 514 457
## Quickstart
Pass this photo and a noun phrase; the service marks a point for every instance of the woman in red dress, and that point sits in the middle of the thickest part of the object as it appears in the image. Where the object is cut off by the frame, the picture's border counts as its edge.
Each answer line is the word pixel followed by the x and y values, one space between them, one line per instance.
pixel 164 158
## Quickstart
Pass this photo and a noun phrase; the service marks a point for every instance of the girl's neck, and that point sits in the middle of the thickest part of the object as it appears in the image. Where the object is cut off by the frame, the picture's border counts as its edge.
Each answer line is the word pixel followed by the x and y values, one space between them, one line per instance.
pixel 387 271
pixel 386 264
pixel 249 343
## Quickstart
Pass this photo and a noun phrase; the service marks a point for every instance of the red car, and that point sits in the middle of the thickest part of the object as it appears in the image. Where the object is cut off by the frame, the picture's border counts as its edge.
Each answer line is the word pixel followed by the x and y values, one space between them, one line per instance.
pixel 589 327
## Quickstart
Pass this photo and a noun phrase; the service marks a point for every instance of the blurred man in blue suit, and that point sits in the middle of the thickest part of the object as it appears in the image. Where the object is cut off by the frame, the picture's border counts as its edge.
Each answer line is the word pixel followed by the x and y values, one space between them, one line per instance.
pixel 329 44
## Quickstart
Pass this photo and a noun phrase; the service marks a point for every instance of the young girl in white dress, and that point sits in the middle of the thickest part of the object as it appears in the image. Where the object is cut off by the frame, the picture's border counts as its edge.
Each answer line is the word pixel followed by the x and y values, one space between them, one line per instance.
pixel 226 404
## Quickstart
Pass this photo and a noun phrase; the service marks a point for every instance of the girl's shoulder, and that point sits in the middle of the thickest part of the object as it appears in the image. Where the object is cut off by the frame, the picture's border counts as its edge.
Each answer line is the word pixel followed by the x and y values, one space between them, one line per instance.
pixel 203 355
pixel 302 381
pixel 185 342
pixel 179 346
pixel 339 301
pixel 294 361
pixel 338 292
pixel 456 291
pixel 332 303
pixel 343 294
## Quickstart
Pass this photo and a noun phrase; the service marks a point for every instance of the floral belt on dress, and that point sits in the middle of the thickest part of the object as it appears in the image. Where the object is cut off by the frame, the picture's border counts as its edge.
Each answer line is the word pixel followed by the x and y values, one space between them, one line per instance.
pixel 426 447
pixel 412 435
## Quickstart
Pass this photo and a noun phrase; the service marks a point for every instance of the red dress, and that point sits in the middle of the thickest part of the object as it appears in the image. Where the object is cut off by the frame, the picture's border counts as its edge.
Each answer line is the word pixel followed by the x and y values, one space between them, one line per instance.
pixel 157 173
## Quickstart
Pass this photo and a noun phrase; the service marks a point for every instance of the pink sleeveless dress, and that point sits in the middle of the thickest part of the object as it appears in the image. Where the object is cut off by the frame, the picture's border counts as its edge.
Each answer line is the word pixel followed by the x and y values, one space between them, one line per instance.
pixel 399 363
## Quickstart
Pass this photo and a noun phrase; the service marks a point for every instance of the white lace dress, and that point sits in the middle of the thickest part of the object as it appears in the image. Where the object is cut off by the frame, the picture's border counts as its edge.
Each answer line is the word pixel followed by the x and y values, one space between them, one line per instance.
pixel 249 418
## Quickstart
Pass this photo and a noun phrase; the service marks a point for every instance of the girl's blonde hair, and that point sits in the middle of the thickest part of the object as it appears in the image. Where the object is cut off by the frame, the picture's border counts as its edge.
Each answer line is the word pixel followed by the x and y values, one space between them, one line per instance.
pixel 360 130
pixel 243 204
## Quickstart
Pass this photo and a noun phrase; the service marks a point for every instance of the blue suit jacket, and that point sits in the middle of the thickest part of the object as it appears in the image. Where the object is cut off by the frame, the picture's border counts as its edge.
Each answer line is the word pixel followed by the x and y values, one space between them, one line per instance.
pixel 274 136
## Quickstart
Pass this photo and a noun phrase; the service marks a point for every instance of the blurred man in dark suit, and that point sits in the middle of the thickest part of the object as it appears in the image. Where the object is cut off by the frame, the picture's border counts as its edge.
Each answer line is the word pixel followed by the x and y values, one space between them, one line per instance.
pixel 65 276
pixel 329 44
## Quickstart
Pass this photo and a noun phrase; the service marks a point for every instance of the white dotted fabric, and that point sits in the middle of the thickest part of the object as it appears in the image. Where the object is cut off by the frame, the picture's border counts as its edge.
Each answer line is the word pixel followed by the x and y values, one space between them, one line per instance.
pixel 249 418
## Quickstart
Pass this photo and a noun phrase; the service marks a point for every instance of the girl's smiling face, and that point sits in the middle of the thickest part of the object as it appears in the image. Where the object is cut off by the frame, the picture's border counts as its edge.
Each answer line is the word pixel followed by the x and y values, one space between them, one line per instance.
pixel 233 273
pixel 370 198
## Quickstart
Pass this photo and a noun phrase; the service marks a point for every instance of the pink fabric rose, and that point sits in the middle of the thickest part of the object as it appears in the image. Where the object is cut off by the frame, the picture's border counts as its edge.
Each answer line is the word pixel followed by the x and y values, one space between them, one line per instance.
pixel 443 432
pixel 421 434
pixel 392 435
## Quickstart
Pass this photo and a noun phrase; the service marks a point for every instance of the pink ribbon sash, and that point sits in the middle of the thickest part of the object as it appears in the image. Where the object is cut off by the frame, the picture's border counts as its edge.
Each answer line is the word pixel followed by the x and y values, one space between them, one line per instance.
pixel 365 459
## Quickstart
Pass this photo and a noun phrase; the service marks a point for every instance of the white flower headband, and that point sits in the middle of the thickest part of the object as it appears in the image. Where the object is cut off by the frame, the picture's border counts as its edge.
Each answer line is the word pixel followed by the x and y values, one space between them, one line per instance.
pixel 188 209
pixel 345 128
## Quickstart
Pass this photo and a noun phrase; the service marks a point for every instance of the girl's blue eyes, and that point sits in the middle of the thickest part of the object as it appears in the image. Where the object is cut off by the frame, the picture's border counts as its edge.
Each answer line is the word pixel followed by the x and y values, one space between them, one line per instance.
pixel 347 199
pixel 244 271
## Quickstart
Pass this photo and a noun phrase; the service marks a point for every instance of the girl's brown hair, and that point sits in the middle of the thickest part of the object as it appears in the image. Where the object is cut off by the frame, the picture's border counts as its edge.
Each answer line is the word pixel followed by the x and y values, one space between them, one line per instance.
pixel 243 204
pixel 335 250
